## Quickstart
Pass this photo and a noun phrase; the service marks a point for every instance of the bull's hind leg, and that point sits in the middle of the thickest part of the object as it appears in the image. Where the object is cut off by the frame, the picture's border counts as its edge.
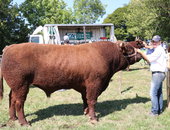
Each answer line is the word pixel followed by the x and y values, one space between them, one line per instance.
pixel 12 110
pixel 85 105
pixel 21 95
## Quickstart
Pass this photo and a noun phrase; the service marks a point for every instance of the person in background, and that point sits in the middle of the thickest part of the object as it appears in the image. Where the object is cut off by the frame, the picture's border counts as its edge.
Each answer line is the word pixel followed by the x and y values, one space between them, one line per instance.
pixel 66 39
pixel 158 67
pixel 164 45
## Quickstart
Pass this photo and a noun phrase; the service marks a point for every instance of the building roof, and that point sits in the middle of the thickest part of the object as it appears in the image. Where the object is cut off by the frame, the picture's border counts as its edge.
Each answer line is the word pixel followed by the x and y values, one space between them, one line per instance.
pixel 80 25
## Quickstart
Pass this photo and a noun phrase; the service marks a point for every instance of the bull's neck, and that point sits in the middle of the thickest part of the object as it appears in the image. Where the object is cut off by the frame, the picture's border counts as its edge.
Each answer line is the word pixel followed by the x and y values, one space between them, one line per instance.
pixel 123 62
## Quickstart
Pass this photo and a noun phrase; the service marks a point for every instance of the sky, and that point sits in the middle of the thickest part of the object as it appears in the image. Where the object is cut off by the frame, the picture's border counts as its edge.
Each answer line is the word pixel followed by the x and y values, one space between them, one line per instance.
pixel 111 5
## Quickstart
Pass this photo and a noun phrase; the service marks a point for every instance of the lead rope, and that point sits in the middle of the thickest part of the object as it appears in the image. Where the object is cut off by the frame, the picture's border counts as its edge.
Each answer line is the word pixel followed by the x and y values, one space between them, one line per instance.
pixel 120 73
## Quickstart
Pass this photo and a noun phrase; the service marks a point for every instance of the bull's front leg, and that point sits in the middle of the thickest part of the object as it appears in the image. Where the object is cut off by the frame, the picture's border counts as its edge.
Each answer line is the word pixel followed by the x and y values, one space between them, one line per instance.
pixel 92 114
pixel 92 94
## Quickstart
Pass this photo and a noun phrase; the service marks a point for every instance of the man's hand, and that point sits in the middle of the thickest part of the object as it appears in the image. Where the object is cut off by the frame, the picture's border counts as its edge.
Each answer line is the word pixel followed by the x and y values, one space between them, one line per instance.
pixel 145 43
pixel 139 51
pixel 143 55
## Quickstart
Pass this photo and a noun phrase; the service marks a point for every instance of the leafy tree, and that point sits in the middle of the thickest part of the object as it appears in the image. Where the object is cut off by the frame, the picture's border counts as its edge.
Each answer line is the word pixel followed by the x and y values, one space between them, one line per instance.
pixel 12 26
pixel 40 12
pixel 118 18
pixel 88 11
pixel 149 17
pixel 161 10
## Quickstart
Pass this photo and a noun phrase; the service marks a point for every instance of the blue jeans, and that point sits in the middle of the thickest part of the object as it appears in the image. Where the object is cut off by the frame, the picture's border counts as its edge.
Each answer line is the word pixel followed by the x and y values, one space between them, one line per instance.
pixel 156 92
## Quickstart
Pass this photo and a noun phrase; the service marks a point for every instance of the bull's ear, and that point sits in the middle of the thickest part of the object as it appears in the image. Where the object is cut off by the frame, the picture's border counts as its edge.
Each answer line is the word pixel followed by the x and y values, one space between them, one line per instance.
pixel 137 39
pixel 123 47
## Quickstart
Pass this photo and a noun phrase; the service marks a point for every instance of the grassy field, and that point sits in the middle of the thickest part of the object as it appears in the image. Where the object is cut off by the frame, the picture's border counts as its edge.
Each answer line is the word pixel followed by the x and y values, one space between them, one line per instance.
pixel 118 108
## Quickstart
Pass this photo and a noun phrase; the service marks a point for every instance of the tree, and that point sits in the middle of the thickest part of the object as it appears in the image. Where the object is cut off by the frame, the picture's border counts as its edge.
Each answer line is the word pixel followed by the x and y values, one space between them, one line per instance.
pixel 118 18
pixel 161 9
pixel 88 11
pixel 12 26
pixel 149 17
pixel 40 12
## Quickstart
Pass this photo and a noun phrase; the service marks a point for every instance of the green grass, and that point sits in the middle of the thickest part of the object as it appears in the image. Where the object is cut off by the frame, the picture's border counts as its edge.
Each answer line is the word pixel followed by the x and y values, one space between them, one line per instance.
pixel 123 107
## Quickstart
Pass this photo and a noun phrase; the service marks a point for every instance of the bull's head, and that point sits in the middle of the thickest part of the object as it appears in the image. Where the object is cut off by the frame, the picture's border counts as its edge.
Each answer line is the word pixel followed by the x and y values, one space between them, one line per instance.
pixel 130 54
pixel 140 44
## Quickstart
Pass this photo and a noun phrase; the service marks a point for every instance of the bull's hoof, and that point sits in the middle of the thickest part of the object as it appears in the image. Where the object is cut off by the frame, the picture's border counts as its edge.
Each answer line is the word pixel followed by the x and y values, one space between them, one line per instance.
pixel 25 124
pixel 10 123
pixel 3 125
pixel 94 121
pixel 13 118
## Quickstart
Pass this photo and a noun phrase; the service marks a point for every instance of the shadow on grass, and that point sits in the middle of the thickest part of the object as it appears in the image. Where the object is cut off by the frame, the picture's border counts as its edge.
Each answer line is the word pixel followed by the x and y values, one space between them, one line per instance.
pixel 104 108
pixel 107 107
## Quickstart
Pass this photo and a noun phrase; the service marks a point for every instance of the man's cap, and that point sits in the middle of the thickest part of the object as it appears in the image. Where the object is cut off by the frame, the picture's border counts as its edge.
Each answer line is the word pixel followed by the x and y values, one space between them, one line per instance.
pixel 156 38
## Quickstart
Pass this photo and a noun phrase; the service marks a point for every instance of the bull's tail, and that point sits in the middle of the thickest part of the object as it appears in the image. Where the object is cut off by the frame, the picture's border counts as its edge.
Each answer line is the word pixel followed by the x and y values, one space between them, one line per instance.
pixel 1 85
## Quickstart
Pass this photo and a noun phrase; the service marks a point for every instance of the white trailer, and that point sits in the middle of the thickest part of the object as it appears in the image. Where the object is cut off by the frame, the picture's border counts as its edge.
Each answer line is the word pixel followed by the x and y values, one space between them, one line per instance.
pixel 78 33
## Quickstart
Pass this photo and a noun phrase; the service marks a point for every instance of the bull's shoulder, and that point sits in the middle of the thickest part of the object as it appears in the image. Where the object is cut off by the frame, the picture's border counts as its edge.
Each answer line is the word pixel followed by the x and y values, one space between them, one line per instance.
pixel 7 47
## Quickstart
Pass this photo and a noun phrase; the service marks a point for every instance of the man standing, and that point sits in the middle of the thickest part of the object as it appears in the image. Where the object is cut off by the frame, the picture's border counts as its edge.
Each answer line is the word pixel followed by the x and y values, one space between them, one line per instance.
pixel 66 39
pixel 158 67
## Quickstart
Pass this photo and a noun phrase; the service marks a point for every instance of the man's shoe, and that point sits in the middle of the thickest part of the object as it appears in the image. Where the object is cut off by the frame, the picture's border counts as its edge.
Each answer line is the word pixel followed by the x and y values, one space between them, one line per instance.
pixel 152 114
